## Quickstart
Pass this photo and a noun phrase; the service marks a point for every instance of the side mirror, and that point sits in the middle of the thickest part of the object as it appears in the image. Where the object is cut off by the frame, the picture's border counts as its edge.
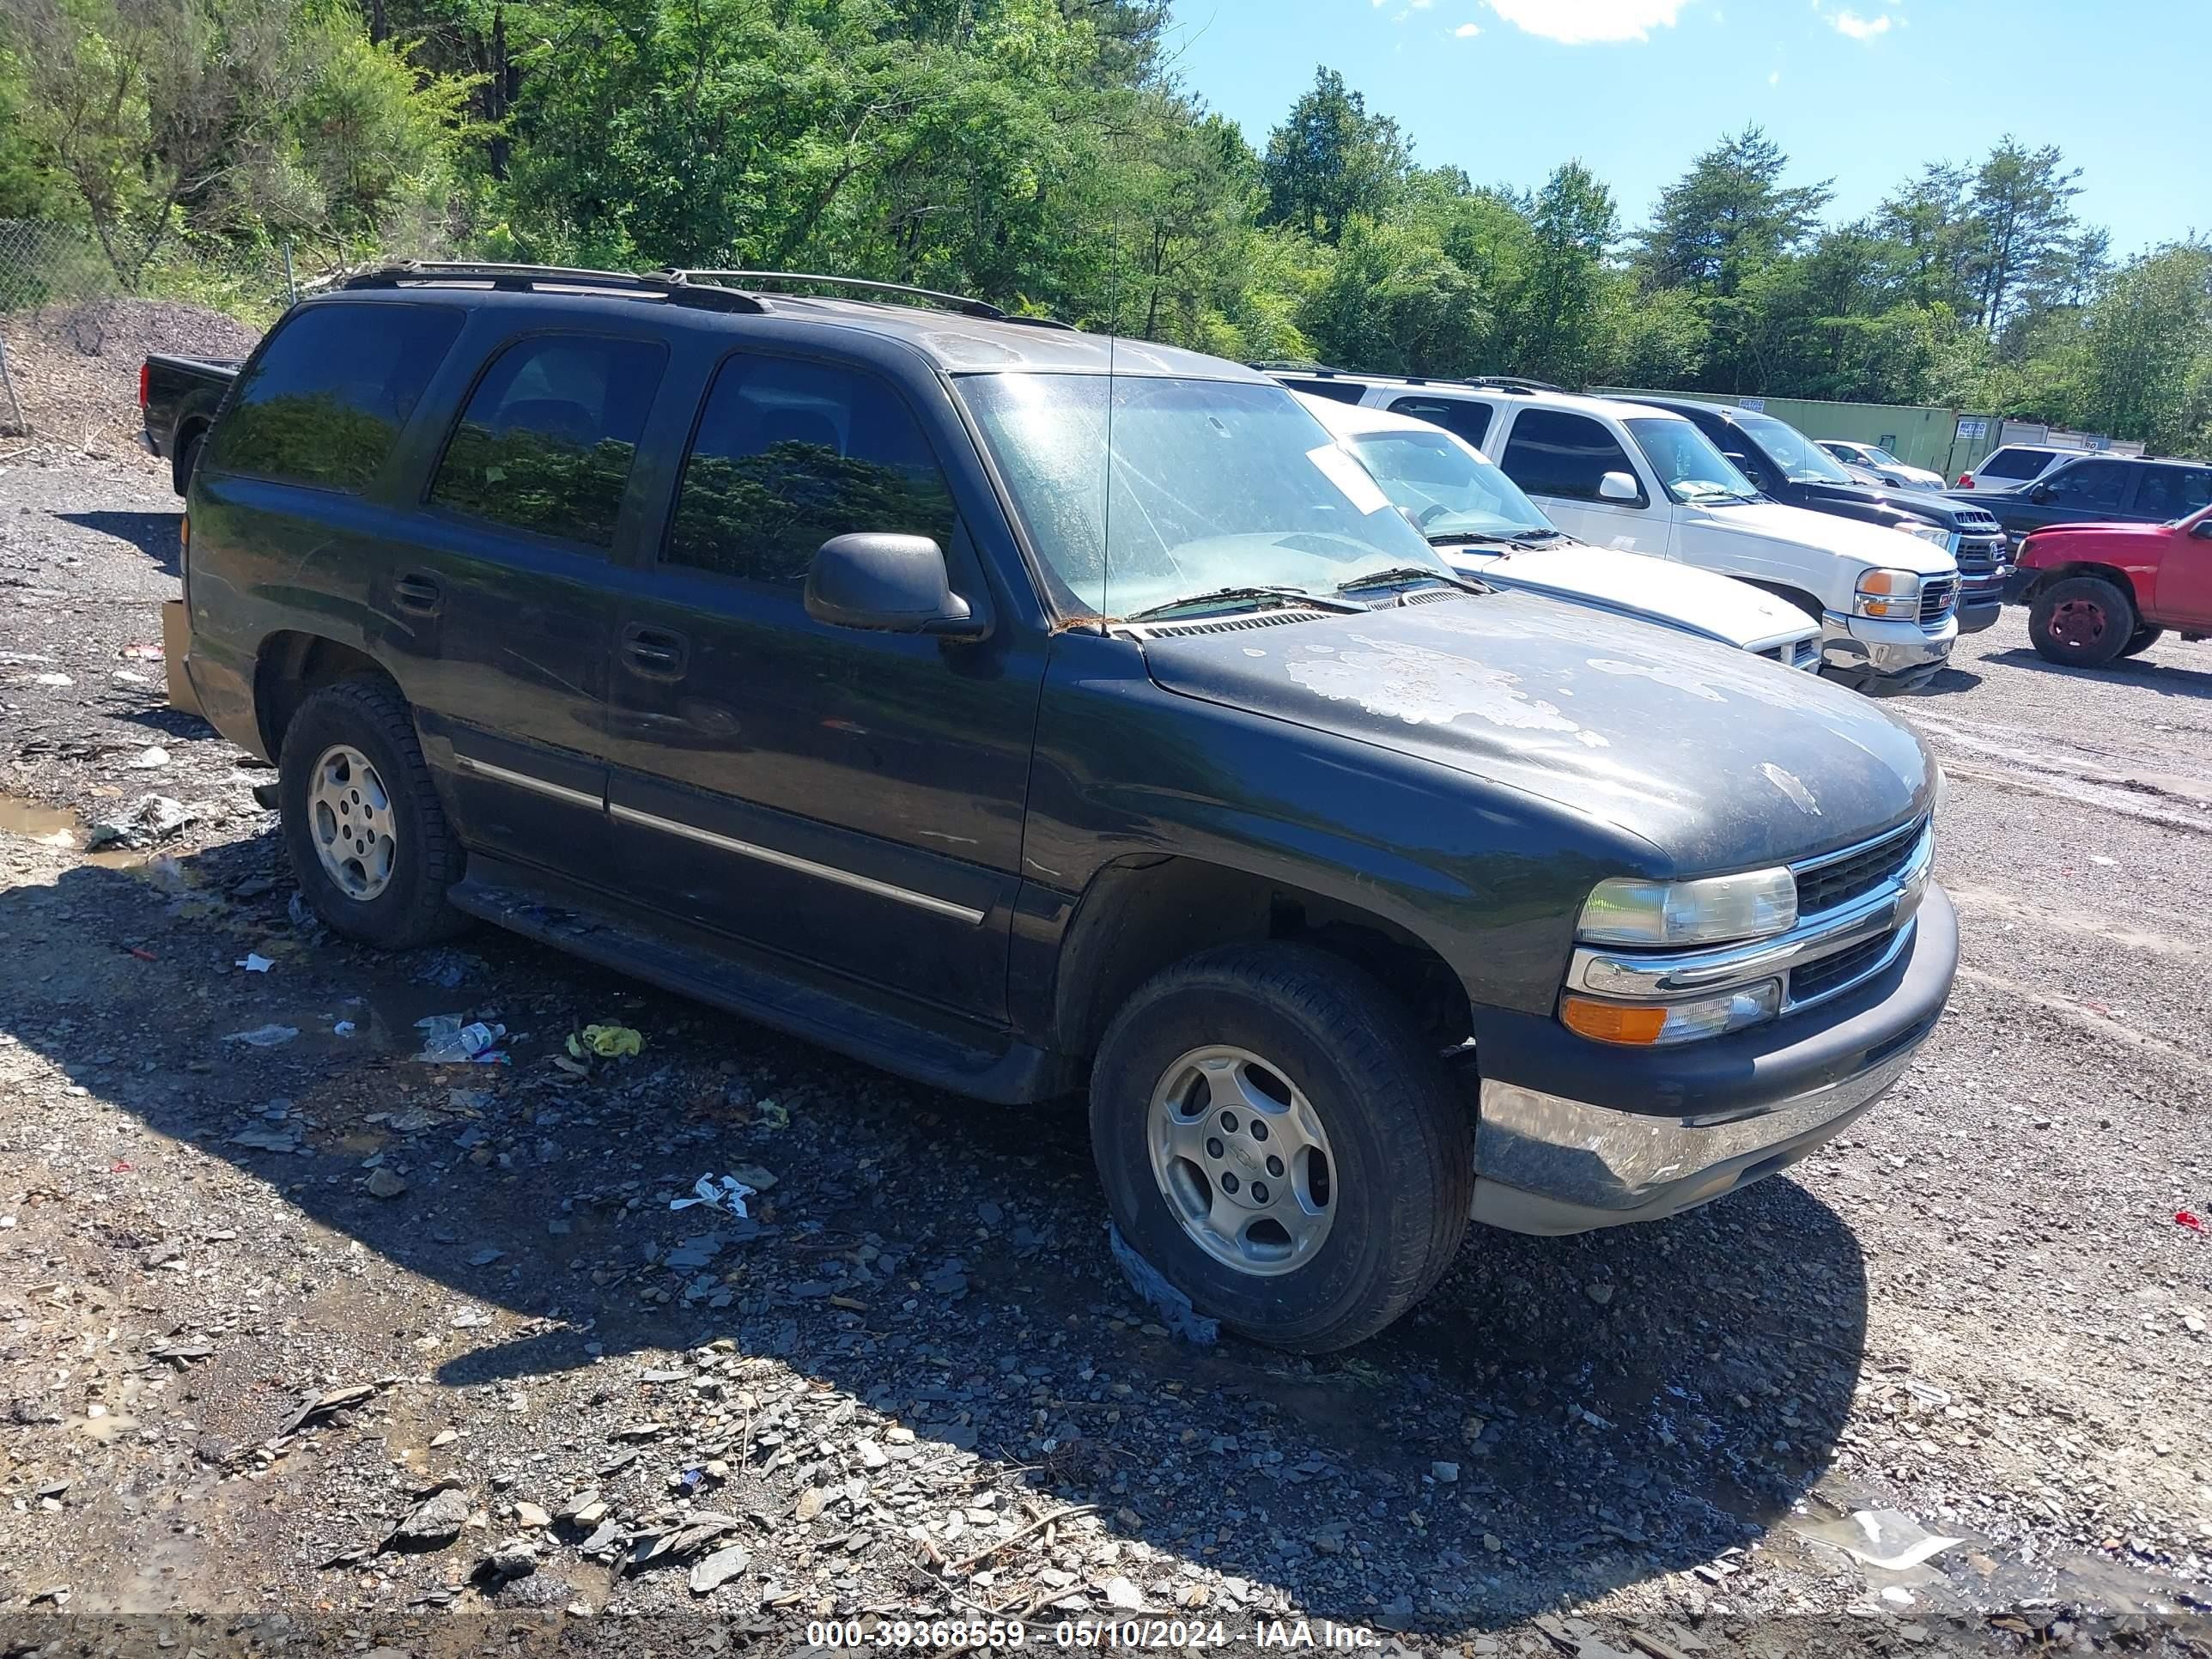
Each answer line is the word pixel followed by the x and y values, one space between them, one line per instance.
pixel 1618 486
pixel 2203 531
pixel 2039 492
pixel 887 584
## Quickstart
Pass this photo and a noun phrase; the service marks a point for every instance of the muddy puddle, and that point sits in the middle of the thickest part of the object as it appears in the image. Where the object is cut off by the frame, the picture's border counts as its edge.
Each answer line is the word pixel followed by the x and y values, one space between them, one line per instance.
pixel 56 826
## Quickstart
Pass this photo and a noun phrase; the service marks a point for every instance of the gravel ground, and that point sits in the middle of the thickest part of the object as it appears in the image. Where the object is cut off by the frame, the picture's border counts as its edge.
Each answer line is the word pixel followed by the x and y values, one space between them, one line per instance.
pixel 317 1344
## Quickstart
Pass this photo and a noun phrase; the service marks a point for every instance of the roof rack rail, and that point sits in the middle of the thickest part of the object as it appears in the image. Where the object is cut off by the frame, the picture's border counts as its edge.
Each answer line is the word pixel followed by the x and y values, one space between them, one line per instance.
pixel 518 276
pixel 1289 366
pixel 1511 383
pixel 960 302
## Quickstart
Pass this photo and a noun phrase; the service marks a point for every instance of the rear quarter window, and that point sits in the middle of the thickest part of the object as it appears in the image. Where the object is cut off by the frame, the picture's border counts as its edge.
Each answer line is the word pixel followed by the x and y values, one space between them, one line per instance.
pixel 328 397
pixel 2014 463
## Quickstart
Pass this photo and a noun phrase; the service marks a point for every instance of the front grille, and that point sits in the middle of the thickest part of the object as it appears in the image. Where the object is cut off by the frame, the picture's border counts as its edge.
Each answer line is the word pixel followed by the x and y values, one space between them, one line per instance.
pixel 1818 979
pixel 1823 886
pixel 1795 654
pixel 1936 599
pixel 1981 555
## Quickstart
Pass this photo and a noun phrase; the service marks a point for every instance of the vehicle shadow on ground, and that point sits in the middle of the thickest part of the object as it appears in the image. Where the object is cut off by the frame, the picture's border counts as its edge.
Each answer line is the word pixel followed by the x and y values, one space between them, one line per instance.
pixel 1563 1416
pixel 154 534
pixel 2161 677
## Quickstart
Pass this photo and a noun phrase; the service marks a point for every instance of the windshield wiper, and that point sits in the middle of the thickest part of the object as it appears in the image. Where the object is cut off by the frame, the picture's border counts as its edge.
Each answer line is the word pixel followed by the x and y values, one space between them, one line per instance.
pixel 1280 594
pixel 1398 574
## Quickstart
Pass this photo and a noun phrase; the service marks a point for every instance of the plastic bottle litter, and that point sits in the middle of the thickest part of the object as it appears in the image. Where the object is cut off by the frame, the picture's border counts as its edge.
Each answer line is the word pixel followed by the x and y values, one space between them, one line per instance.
pixel 1172 1304
pixel 447 1041
pixel 725 1192
pixel 253 962
pixel 607 1042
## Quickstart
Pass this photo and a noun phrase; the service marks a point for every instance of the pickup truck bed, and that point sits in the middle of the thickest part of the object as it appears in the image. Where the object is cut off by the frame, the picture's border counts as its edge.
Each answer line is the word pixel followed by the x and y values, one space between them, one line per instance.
pixel 178 397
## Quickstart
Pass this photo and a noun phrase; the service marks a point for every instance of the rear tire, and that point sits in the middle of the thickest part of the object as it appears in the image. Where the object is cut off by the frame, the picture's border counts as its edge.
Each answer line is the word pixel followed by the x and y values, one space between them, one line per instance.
pixel 2142 640
pixel 188 458
pixel 1380 1168
pixel 368 839
pixel 2083 622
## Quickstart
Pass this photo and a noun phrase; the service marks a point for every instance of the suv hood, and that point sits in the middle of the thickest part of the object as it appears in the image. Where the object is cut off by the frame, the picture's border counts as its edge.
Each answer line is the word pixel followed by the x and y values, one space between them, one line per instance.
pixel 1882 502
pixel 1699 602
pixel 1868 544
pixel 1718 759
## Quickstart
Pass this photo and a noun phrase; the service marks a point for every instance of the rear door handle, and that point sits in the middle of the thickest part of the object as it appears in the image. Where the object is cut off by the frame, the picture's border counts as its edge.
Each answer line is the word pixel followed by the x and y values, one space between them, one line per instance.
pixel 658 653
pixel 417 592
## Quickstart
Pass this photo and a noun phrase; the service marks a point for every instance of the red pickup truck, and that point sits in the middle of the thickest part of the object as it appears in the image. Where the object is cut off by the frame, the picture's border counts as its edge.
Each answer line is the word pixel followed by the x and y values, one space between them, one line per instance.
pixel 2099 591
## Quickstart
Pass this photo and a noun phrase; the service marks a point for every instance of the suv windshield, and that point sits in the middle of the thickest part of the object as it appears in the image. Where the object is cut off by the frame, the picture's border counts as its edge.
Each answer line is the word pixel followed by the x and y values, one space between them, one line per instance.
pixel 1210 485
pixel 1688 465
pixel 1451 491
pixel 1801 460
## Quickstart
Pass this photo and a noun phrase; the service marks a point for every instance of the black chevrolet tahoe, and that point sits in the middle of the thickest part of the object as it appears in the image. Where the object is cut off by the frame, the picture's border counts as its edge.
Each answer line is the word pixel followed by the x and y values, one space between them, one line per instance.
pixel 1789 467
pixel 1022 710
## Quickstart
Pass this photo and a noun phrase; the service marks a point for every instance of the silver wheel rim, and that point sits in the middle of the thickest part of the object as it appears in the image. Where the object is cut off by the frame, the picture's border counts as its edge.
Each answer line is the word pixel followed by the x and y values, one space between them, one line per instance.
pixel 350 815
pixel 1242 1159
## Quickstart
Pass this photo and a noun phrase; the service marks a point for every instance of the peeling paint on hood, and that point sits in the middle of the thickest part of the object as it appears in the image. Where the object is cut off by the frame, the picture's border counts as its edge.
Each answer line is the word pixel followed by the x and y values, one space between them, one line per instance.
pixel 1717 759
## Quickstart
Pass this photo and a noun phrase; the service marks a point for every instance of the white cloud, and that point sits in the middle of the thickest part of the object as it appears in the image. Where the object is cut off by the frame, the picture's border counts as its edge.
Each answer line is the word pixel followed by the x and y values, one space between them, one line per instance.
pixel 1850 23
pixel 1423 5
pixel 1579 22
pixel 1774 77
pixel 1468 31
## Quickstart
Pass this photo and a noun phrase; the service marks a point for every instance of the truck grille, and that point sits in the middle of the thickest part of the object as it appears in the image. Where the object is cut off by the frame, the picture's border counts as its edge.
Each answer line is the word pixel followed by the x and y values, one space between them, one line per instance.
pixel 1857 871
pixel 1981 555
pixel 1936 599
pixel 1817 979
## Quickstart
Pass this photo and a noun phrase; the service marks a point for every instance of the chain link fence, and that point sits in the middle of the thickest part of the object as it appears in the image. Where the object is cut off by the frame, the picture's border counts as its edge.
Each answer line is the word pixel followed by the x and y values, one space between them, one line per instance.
pixel 73 330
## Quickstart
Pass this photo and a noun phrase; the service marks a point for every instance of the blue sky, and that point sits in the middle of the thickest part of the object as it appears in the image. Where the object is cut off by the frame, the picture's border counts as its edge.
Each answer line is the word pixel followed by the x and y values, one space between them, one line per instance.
pixel 1858 91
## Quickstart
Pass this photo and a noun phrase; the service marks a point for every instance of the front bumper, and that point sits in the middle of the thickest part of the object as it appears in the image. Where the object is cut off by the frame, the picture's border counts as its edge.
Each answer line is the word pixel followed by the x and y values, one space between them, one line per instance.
pixel 1869 655
pixel 2017 585
pixel 1978 611
pixel 1571 1140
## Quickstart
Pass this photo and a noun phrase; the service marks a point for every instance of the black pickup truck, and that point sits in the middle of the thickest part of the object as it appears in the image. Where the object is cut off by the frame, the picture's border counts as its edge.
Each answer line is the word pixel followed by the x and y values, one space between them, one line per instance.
pixel 177 397
pixel 1019 710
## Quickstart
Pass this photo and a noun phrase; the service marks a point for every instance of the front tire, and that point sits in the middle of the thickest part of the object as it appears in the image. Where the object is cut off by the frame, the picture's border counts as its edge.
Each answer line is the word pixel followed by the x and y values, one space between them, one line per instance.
pixel 1277 1138
pixel 368 841
pixel 2083 622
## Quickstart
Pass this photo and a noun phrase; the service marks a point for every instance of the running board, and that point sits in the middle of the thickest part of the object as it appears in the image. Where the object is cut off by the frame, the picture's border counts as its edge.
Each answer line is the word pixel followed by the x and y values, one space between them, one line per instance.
pixel 987 1065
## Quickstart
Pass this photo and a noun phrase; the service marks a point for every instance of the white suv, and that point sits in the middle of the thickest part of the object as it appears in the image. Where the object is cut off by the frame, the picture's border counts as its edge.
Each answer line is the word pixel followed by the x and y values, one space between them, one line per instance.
pixel 1645 480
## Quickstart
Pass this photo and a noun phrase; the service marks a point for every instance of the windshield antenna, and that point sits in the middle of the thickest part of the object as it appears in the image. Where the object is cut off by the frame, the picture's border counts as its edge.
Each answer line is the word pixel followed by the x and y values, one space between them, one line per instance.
pixel 1106 514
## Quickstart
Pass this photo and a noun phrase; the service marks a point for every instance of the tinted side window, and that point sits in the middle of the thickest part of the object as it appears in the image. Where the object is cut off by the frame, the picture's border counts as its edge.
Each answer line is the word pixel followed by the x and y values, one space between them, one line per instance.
pixel 1469 421
pixel 2089 483
pixel 2174 492
pixel 791 453
pixel 546 441
pixel 1552 453
pixel 2014 463
pixel 1342 391
pixel 326 402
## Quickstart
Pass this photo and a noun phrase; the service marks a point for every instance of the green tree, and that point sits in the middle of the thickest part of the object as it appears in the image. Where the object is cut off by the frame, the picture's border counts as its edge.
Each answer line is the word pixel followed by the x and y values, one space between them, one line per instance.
pixel 2146 349
pixel 1331 160
pixel 1553 330
pixel 2022 207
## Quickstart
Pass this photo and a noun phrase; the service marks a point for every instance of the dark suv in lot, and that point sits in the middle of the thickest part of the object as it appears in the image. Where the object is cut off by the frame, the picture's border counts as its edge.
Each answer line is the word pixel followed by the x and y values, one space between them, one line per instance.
pixel 1013 709
pixel 2101 489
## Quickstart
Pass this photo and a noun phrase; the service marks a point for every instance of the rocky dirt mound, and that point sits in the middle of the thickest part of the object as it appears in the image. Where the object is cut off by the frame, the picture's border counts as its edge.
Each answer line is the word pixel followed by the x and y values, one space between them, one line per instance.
pixel 75 367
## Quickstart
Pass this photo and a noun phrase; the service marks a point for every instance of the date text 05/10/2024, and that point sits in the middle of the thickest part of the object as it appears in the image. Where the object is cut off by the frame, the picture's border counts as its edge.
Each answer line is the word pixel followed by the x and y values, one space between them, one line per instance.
pixel 1280 1635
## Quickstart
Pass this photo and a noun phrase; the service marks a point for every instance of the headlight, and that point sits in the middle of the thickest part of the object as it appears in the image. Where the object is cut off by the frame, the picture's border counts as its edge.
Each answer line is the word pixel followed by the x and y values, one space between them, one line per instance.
pixel 1624 911
pixel 1647 1024
pixel 1893 594
pixel 1934 534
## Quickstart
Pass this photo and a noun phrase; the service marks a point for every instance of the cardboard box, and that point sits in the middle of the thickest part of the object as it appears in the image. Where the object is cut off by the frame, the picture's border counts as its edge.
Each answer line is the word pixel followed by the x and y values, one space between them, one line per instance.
pixel 176 642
